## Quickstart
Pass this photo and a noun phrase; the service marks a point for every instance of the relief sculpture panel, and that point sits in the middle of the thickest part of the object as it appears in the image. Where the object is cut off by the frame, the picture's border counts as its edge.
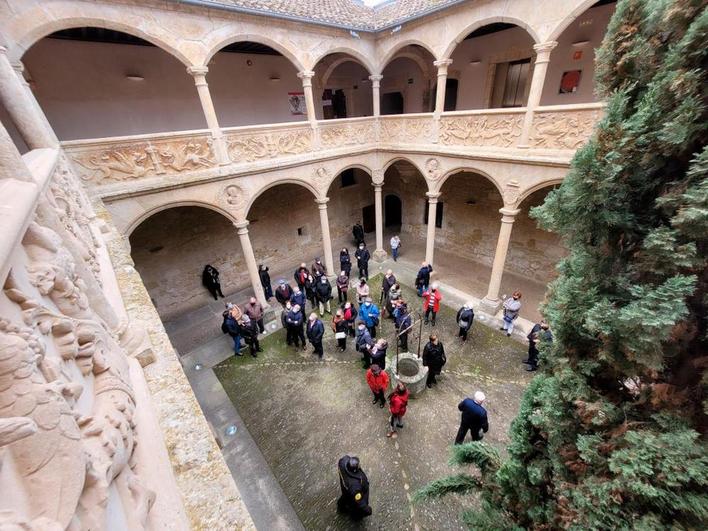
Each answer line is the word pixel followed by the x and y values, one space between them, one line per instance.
pixel 250 146
pixel 67 407
pixel 496 130
pixel 407 130
pixel 333 136
pixel 124 162
pixel 563 130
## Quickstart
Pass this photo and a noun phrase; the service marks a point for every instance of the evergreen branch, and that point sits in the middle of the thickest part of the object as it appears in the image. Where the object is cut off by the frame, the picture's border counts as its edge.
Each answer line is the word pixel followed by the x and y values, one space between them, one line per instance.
pixel 459 484
pixel 476 453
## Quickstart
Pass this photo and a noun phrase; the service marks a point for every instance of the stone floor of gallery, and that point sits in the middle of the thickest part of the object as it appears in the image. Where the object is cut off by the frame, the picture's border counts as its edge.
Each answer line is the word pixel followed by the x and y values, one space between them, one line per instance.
pixel 284 419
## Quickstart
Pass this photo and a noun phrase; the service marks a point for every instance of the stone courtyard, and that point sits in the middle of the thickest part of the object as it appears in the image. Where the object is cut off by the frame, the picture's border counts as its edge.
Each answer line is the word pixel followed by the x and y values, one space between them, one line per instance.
pixel 303 414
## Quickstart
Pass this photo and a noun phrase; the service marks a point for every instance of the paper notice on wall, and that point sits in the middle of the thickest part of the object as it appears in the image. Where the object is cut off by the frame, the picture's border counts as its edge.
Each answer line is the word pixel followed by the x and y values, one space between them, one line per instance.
pixel 297 103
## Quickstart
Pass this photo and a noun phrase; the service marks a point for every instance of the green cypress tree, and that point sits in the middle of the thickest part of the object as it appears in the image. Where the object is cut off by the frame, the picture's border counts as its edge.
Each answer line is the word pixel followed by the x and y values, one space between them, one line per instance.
pixel 612 432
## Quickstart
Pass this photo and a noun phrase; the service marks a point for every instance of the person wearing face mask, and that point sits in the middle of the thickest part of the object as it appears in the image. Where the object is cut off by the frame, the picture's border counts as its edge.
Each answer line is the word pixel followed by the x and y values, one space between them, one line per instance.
pixel 300 276
pixel 362 291
pixel 318 269
pixel 364 344
pixel 512 307
pixel 342 286
pixel 345 261
pixel 369 314
pixel 315 333
pixel 323 294
pixel 350 314
pixel 362 256
pixel 378 353
pixel 298 298
pixel 310 285
pixel 295 321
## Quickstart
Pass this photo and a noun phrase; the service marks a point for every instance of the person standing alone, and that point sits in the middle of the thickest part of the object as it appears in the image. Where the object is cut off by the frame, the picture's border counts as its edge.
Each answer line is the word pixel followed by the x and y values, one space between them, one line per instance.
pixel 315 332
pixel 395 246
pixel 512 307
pixel 431 302
pixel 378 383
pixel 434 359
pixel 210 280
pixel 398 403
pixel 474 418
pixel 362 256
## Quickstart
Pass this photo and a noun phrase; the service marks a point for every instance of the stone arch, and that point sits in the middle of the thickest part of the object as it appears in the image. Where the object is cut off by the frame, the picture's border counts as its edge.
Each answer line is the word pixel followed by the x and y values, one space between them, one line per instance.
pixel 37 32
pixel 540 186
pixel 333 66
pixel 255 195
pixel 289 54
pixel 354 54
pixel 147 213
pixel 484 22
pixel 392 53
pixel 581 8
pixel 437 187
pixel 395 159
pixel 339 171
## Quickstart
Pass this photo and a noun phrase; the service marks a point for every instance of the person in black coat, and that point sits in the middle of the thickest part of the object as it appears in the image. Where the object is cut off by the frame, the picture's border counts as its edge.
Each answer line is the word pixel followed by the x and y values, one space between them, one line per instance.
pixel 422 279
pixel 362 256
pixel 465 317
pixel 300 276
pixel 434 359
pixel 403 325
pixel 298 298
pixel 315 333
pixel 249 331
pixel 289 338
pixel 210 279
pixel 355 488
pixel 310 293
pixel 378 353
pixel 474 418
pixel 323 294
pixel 358 233
pixel 539 332
pixel 295 323
pixel 345 261
pixel 283 292
pixel 265 281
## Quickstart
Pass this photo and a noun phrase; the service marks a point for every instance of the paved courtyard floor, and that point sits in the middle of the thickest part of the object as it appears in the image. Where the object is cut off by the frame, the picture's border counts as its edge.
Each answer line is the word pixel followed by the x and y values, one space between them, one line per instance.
pixel 304 414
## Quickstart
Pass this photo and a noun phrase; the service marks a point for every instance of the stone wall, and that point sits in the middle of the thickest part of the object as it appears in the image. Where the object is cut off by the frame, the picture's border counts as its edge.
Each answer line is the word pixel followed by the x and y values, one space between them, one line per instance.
pixel 171 248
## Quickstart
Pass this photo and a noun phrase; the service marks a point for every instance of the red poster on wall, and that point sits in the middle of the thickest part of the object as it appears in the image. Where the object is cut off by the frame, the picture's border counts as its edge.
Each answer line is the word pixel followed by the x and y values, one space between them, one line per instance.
pixel 569 81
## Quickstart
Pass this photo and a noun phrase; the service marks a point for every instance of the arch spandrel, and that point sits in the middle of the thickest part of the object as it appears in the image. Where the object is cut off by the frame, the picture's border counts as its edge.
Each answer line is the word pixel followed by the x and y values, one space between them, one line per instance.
pixel 260 190
pixel 390 53
pixel 149 212
pixel 451 46
pixel 284 46
pixel 356 55
pixel 34 24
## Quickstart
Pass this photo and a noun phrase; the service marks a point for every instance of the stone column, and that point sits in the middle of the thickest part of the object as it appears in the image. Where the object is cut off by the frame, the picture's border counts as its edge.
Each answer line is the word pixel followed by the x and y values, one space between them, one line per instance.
pixel 247 249
pixel 442 81
pixel 22 106
pixel 491 302
pixel 326 238
pixel 432 214
pixel 543 57
pixel 376 92
pixel 199 73
pixel 306 77
pixel 380 252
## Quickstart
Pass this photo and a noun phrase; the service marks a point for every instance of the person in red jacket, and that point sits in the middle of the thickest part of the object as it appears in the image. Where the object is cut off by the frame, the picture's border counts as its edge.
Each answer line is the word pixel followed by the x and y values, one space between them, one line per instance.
pixel 431 302
pixel 397 403
pixel 378 383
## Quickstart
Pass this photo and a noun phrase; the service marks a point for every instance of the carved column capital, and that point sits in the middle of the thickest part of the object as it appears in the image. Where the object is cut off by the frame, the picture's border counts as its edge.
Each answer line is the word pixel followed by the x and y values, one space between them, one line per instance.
pixel 543 51
pixel 433 196
pixel 198 73
pixel 306 76
pixel 376 80
pixel 442 65
pixel 242 226
pixel 508 214
pixel 377 186
pixel 322 202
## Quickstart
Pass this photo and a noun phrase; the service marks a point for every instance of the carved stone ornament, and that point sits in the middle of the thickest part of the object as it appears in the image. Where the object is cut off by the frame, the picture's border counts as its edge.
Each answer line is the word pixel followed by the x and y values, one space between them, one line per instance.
pixel 406 130
pixel 249 147
pixel 511 193
pixel 377 176
pixel 333 136
pixel 563 130
pixel 235 197
pixel 67 408
pixel 322 179
pixel 497 130
pixel 433 169
pixel 122 162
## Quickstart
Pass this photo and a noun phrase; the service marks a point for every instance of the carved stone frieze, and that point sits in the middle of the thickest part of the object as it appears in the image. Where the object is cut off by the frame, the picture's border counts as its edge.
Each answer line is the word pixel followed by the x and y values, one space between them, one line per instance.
pixel 120 162
pixel 338 135
pixel 563 130
pixel 407 130
pixel 250 146
pixel 496 130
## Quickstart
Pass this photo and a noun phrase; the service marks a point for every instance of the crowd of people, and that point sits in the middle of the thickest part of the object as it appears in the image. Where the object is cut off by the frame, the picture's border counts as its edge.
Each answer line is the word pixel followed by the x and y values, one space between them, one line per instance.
pixel 357 316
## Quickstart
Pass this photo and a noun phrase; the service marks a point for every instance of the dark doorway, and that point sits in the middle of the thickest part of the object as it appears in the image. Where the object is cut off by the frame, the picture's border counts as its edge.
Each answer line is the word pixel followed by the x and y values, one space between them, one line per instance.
pixel 392 211
pixel 392 103
pixel 339 104
pixel 451 86
pixel 368 218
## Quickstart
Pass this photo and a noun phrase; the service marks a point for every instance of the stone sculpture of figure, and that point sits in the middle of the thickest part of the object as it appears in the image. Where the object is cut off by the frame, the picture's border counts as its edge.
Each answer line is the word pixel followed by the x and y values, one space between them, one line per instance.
pixel 50 464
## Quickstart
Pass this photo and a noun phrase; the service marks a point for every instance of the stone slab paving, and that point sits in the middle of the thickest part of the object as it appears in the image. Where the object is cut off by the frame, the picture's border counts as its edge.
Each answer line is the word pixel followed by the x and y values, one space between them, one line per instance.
pixel 304 414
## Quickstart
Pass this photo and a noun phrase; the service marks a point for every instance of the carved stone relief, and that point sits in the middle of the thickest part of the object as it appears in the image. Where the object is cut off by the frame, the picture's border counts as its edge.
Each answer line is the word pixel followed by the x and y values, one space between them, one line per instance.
pixel 322 180
pixel 408 130
pixel 563 130
pixel 511 193
pixel 333 136
pixel 433 169
pixel 142 159
pixel 235 198
pixel 248 147
pixel 67 427
pixel 498 130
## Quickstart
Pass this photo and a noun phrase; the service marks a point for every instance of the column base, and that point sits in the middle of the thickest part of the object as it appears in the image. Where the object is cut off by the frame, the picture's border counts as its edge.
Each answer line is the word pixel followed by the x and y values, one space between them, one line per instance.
pixel 490 306
pixel 380 255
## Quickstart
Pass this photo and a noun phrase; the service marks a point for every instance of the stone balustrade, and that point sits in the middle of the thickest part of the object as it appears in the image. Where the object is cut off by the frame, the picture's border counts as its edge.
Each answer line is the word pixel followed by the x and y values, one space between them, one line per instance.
pixel 108 160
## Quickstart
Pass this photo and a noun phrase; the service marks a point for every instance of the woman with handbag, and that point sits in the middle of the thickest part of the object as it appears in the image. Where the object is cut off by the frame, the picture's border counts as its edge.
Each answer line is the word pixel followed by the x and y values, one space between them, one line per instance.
pixel 340 327
pixel 465 317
